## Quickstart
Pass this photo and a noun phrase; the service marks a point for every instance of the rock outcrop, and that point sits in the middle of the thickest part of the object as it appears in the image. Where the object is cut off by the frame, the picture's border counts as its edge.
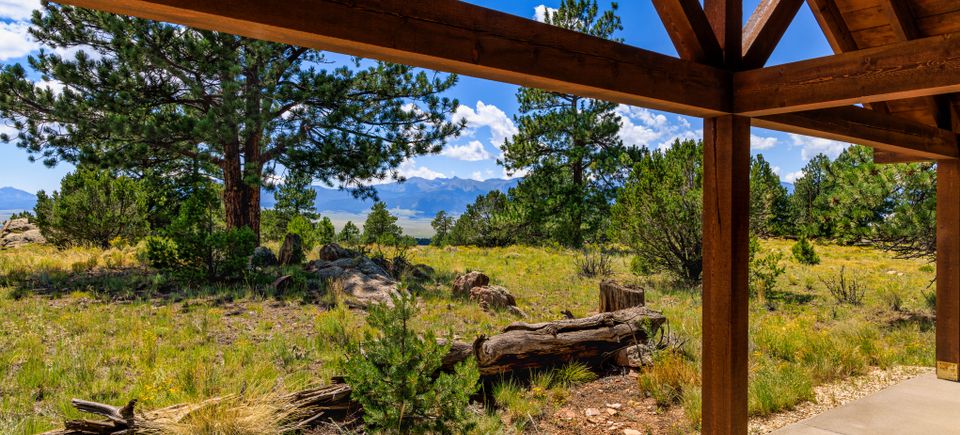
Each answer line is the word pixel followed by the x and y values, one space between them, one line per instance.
pixel 464 283
pixel 361 280
pixel 19 232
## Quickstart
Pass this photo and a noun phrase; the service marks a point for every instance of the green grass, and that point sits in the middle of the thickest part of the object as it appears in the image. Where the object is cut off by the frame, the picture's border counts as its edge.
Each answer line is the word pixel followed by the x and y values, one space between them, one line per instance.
pixel 91 324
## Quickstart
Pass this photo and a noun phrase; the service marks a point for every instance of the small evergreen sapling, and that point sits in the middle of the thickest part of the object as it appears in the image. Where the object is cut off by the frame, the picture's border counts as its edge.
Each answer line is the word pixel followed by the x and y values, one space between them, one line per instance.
pixel 804 253
pixel 395 375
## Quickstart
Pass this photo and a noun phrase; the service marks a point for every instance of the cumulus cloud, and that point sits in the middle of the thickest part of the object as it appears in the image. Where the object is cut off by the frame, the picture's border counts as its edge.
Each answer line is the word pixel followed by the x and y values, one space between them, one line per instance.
pixel 410 169
pixel 640 127
pixel 793 176
pixel 811 146
pixel 540 12
pixel 15 41
pixel 18 10
pixel 487 116
pixel 471 152
pixel 762 143
pixel 520 173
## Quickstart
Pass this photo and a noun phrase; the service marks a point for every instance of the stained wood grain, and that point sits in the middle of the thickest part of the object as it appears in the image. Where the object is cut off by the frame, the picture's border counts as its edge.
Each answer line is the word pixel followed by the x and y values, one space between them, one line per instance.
pixel 458 37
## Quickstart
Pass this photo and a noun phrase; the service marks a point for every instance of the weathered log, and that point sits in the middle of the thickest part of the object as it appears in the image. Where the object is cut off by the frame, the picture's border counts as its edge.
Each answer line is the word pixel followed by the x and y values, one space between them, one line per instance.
pixel 590 340
pixel 615 296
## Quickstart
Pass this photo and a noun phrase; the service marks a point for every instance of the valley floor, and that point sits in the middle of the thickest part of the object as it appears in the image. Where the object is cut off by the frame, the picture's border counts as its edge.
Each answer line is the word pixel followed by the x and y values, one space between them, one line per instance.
pixel 92 324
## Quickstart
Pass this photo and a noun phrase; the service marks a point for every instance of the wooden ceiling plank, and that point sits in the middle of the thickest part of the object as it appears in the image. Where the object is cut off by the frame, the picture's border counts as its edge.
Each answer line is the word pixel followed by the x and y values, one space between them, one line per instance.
pixel 458 37
pixel 833 25
pixel 765 28
pixel 918 68
pixel 689 30
pixel 867 127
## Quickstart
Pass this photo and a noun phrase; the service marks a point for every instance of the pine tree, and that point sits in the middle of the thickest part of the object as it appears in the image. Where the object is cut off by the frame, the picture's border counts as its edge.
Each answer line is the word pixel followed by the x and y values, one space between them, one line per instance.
pixel 326 233
pixel 380 224
pixel 768 200
pixel 142 93
pixel 295 197
pixel 349 234
pixel 442 224
pixel 569 144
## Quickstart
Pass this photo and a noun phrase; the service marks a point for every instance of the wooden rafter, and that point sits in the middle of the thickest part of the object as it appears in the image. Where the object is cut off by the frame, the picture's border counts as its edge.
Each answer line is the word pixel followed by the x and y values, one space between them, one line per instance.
pixel 765 28
pixel 834 27
pixel 689 30
pixel 458 37
pixel 868 127
pixel 917 68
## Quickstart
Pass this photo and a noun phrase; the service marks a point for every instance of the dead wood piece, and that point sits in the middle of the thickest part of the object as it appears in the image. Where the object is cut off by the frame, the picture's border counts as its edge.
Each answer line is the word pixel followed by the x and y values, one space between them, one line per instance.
pixel 588 340
pixel 615 296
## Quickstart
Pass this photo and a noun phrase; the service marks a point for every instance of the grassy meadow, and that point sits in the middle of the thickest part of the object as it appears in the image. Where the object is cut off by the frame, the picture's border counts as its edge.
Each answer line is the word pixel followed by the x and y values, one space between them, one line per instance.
pixel 94 324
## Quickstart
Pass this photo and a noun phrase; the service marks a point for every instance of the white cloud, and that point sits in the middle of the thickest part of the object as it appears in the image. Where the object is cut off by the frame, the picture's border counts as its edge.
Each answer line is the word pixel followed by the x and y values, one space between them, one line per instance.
pixel 540 13
pixel 520 173
pixel 15 41
pixel 489 116
pixel 409 169
pixel 471 152
pixel 776 170
pixel 762 143
pixel 811 146
pixel 18 9
pixel 640 127
pixel 793 176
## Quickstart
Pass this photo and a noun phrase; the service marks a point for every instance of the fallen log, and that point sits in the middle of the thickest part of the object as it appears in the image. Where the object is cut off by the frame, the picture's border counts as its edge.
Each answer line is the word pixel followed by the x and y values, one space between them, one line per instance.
pixel 590 340
pixel 615 296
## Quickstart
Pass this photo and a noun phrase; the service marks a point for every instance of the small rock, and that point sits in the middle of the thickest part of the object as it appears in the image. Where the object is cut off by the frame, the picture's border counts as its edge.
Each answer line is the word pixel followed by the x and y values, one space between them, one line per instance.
pixel 492 296
pixel 334 252
pixel 614 405
pixel 592 412
pixel 566 414
pixel 631 432
pixel 464 283
pixel 292 250
pixel 611 411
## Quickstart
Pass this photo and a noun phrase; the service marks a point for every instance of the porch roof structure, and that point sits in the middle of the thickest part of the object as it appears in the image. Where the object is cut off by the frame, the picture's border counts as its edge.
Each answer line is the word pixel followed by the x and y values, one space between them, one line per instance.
pixel 892 84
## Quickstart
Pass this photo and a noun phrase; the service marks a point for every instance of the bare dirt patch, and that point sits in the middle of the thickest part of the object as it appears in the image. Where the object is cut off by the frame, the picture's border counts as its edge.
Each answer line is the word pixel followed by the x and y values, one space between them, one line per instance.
pixel 612 405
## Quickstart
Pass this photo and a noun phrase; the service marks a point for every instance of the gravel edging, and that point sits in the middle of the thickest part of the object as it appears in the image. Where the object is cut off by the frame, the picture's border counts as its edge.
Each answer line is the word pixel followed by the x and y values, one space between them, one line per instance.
pixel 836 394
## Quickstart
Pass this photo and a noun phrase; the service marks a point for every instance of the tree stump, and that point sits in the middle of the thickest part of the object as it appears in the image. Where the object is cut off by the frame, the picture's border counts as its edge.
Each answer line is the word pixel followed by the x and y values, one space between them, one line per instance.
pixel 615 296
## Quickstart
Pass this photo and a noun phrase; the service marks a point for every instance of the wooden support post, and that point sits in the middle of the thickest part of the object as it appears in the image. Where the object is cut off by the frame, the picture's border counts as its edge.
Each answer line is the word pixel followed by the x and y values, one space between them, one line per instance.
pixel 948 269
pixel 726 224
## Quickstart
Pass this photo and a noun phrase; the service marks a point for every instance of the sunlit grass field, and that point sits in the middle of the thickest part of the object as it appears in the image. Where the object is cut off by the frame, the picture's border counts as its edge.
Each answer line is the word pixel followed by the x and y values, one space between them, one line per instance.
pixel 122 333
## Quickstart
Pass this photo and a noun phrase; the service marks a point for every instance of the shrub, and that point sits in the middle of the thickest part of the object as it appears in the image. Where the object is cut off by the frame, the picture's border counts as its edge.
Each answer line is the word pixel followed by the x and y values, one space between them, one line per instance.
pixel 302 227
pixel 764 270
pixel 892 297
pixel 395 376
pixel 658 211
pixel 804 253
pixel 593 261
pixel 159 252
pixel 92 207
pixel 380 223
pixel 843 290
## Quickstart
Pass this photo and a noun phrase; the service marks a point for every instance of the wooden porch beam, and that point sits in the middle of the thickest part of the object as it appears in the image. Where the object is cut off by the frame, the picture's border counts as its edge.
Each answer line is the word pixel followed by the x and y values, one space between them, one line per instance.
pixel 688 28
pixel 765 28
pixel 726 228
pixel 948 270
pixel 917 68
pixel 868 127
pixel 458 37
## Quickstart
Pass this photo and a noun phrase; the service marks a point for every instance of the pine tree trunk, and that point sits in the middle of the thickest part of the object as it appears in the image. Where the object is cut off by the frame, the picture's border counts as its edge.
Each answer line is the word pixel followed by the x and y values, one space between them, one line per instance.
pixel 234 196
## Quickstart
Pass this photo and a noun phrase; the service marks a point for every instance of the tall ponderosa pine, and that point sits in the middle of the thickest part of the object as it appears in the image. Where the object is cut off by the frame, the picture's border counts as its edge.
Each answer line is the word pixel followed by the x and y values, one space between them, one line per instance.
pixel 143 93
pixel 442 224
pixel 296 197
pixel 569 144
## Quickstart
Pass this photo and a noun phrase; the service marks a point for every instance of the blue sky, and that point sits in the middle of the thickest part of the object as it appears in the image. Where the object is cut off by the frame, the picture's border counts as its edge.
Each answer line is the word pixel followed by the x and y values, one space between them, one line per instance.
pixel 489 106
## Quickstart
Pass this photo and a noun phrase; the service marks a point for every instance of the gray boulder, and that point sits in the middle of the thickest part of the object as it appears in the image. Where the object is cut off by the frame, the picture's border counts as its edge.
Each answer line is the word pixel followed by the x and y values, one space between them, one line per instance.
pixel 263 257
pixel 464 283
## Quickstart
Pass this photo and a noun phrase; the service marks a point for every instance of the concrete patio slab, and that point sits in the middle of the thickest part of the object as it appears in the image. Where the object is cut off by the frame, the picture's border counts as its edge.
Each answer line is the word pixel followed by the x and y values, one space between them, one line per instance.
pixel 923 405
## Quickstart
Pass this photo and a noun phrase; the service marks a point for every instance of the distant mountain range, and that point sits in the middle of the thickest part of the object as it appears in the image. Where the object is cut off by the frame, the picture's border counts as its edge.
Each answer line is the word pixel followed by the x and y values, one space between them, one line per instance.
pixel 16 199
pixel 416 197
